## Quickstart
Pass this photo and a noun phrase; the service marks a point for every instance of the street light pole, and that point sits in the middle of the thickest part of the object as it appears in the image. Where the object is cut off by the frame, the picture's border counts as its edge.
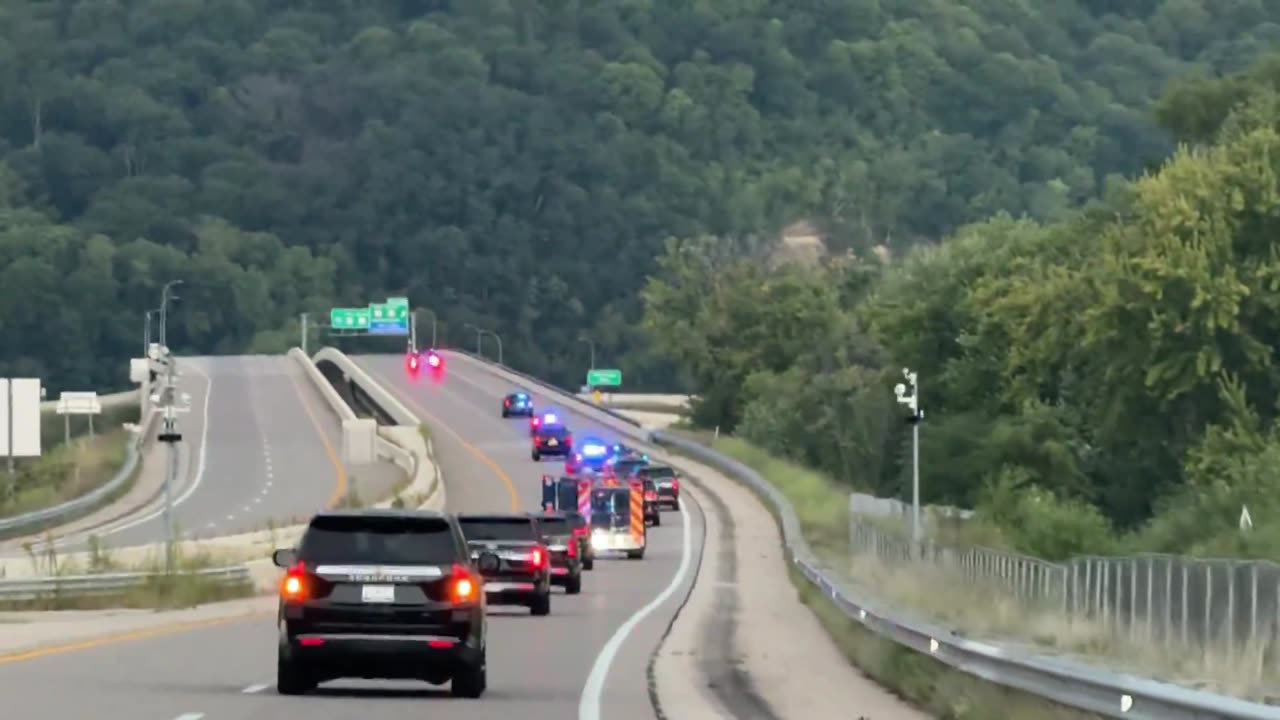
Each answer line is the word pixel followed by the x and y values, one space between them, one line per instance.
pixel 591 344
pixel 146 332
pixel 304 332
pixel 499 341
pixel 912 401
pixel 164 310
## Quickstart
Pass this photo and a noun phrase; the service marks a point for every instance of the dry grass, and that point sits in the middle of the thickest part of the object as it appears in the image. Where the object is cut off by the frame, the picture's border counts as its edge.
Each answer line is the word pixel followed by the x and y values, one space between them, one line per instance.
pixel 944 596
pixel 179 589
pixel 67 472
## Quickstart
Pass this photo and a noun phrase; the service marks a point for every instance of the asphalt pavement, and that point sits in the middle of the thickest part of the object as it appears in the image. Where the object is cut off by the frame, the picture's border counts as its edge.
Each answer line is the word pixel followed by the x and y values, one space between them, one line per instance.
pixel 538 667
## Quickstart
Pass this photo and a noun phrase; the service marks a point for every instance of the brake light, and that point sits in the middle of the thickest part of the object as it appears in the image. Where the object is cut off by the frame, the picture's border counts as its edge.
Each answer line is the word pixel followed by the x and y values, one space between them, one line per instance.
pixel 507 403
pixel 535 422
pixel 650 495
pixel 310 641
pixel 433 360
pixel 568 439
pixel 464 587
pixel 440 643
pixel 573 545
pixel 539 557
pixel 294 586
pixel 675 484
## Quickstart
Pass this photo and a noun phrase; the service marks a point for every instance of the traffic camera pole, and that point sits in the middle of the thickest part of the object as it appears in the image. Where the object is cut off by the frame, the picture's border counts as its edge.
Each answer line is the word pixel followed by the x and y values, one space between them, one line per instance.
pixel 912 401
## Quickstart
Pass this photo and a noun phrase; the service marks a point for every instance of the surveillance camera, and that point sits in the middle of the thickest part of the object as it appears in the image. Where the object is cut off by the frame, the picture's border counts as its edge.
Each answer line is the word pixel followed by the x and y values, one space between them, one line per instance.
pixel 899 389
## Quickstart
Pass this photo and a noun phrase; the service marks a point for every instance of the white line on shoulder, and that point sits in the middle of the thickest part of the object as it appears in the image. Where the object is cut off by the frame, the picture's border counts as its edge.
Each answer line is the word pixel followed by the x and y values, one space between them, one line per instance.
pixel 593 691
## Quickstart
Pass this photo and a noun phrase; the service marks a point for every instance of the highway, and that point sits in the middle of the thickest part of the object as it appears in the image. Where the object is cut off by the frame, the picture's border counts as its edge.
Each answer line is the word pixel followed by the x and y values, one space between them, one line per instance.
pixel 538 667
pixel 259 445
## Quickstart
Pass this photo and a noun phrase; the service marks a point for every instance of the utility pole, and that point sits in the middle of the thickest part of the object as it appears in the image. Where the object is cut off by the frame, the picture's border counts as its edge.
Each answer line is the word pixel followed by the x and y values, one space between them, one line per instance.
pixel 912 401
pixel 591 344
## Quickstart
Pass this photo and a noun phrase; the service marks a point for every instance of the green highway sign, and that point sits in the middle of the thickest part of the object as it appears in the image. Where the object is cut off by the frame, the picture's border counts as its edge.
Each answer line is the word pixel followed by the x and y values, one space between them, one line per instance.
pixel 604 378
pixel 349 318
pixel 390 317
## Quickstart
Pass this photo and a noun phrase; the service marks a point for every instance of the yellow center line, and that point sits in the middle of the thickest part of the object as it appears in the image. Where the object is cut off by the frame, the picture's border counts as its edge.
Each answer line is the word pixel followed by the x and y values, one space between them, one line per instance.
pixel 340 487
pixel 437 422
pixel 127 636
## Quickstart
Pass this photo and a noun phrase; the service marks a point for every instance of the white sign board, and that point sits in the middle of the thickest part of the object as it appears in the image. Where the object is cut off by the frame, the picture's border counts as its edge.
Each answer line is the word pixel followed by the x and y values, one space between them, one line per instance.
pixel 79 403
pixel 20 417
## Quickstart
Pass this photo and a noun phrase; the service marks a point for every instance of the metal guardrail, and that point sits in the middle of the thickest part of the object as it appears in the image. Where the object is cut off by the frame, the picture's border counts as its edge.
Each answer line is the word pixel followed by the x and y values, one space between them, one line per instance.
pixel 1075 685
pixel 75 508
pixel 105 583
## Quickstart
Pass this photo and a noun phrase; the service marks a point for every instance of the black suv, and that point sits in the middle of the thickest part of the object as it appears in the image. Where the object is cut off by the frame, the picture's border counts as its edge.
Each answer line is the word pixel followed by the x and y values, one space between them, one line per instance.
pixel 523 573
pixel 667 481
pixel 565 544
pixel 382 594
pixel 551 439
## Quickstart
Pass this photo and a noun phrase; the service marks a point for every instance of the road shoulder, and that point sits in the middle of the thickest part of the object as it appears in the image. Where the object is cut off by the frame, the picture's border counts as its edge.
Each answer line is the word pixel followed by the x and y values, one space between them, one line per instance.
pixel 779 651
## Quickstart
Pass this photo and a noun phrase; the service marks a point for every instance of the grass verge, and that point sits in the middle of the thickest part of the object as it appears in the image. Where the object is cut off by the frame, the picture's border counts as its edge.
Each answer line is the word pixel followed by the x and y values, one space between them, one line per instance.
pixel 66 472
pixel 180 588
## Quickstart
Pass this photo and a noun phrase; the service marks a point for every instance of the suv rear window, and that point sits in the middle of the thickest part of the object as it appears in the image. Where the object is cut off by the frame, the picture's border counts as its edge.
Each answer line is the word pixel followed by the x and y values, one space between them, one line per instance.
pixel 659 472
pixel 555 431
pixel 492 528
pixel 357 540
pixel 626 467
pixel 555 525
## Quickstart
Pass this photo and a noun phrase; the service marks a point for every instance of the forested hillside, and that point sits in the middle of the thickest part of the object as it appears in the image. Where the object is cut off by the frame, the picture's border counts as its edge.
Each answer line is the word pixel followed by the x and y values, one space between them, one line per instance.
pixel 1108 380
pixel 519 164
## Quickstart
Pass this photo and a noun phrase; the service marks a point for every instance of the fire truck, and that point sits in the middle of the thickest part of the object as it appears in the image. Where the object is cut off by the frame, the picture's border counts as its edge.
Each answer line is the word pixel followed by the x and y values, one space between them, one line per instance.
pixel 614 510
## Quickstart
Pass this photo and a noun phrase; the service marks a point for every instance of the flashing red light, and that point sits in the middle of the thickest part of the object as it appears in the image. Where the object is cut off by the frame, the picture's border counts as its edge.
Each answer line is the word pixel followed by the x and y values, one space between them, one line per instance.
pixel 650 495
pixel 573 545
pixel 464 586
pixel 412 362
pixel 310 641
pixel 539 557
pixel 293 587
pixel 675 484
pixel 433 360
pixel 440 643
pixel 535 422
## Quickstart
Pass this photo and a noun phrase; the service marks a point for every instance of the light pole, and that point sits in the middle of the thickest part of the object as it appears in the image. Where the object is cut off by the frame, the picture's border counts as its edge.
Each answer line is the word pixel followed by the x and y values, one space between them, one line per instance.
pixel 146 330
pixel 480 333
pixel 433 325
pixel 591 344
pixel 165 297
pixel 912 401
pixel 497 339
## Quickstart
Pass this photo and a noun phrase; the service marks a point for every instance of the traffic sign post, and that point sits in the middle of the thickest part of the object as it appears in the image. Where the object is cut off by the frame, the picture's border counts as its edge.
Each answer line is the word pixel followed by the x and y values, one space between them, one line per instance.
pixel 604 378
pixel 349 319
pixel 78 403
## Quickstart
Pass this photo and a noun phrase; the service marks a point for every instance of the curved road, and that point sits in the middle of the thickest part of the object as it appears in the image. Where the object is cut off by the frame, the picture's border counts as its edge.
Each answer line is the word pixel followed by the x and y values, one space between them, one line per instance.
pixel 539 668
pixel 259 445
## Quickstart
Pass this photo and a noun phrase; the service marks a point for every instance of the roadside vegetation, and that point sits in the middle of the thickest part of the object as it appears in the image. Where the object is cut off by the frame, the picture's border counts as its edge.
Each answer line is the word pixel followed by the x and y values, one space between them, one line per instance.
pixel 1104 384
pixel 65 472
pixel 178 588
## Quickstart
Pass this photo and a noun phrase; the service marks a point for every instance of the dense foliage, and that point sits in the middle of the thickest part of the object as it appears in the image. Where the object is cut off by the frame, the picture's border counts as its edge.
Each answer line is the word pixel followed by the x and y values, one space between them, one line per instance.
pixel 1113 371
pixel 517 164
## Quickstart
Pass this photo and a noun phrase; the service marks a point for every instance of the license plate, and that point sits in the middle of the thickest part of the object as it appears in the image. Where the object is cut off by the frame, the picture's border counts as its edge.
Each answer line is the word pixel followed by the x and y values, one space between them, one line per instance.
pixel 378 593
pixel 553 442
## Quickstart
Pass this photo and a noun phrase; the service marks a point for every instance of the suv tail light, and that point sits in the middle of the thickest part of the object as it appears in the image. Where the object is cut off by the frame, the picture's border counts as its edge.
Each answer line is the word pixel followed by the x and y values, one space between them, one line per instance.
pixel 507 403
pixel 539 558
pixel 573 545
pixel 675 484
pixel 650 495
pixel 298 585
pixel 463 587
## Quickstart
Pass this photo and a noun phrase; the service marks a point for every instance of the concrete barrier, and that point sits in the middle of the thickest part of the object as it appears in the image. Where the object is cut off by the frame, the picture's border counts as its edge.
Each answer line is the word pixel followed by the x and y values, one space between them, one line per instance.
pixel 403 444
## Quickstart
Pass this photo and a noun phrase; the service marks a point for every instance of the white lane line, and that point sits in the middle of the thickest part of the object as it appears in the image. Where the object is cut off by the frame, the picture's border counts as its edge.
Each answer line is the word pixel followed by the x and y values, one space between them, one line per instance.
pixel 255 502
pixel 201 463
pixel 593 691
pixel 255 688
pixel 231 517
pixel 211 525
pixel 189 716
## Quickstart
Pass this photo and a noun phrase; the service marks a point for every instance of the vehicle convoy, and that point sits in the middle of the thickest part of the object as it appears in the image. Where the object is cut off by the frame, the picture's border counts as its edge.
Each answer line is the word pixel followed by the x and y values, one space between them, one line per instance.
pixel 571 497
pixel 382 594
pixel 617 517
pixel 522 575
pixel 517 404
pixel 666 481
pixel 551 438
pixel 561 537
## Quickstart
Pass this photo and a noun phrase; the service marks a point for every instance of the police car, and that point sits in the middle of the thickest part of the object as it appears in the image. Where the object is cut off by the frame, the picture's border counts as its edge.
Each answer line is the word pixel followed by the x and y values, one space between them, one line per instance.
pixel 517 404
pixel 551 437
